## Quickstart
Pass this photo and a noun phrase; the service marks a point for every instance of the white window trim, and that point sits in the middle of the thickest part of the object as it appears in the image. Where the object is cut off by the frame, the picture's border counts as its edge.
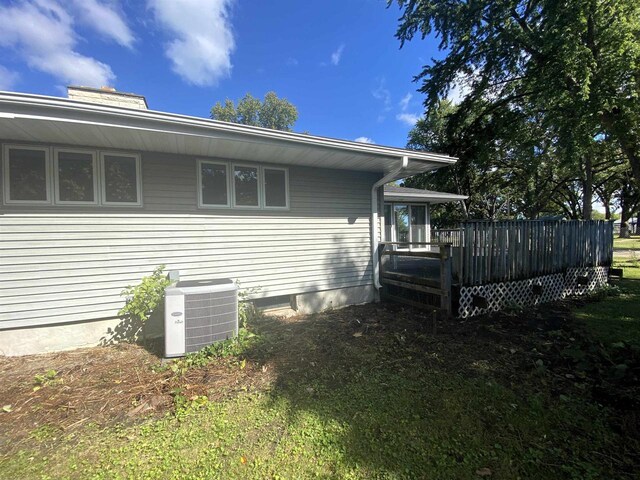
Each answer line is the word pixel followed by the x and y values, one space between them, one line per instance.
pixel 230 193
pixel 6 180
pixel 259 185
pixel 56 178
pixel 103 185
pixel 264 188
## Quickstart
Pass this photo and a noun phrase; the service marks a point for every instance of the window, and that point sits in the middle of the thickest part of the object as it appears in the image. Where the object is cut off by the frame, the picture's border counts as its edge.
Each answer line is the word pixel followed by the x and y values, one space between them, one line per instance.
pixel 406 223
pixel 68 176
pixel 222 184
pixel 214 185
pixel 76 178
pixel 275 188
pixel 402 222
pixel 120 179
pixel 418 218
pixel 245 185
pixel 26 175
pixel 388 223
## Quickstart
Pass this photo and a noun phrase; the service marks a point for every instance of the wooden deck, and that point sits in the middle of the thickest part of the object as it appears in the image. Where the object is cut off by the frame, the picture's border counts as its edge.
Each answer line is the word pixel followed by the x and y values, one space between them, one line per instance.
pixel 483 252
pixel 417 274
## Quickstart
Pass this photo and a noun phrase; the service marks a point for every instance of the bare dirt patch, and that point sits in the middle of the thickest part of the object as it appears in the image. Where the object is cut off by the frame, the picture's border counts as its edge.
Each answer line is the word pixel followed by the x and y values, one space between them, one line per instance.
pixel 64 391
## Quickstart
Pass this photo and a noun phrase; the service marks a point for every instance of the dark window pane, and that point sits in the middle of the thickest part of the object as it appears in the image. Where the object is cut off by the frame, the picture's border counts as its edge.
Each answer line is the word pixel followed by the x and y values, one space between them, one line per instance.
pixel 387 223
pixel 246 186
pixel 214 184
pixel 418 230
pixel 75 177
pixel 27 175
pixel 120 179
pixel 275 188
pixel 402 223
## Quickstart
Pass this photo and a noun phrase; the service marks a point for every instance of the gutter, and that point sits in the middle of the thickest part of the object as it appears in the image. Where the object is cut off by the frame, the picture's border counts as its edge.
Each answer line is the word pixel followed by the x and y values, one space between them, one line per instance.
pixel 375 261
pixel 75 108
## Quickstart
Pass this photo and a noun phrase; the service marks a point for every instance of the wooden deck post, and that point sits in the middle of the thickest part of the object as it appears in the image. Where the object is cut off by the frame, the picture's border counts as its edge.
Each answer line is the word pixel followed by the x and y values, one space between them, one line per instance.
pixel 445 279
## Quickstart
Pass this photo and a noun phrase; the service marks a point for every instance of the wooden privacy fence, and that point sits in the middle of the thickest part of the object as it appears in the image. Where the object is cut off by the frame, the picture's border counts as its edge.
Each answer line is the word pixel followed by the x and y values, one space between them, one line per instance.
pixel 499 251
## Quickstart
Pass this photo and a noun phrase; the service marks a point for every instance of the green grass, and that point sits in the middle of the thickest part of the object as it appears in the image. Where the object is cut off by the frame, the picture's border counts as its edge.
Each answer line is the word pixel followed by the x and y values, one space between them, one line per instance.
pixel 395 402
pixel 617 318
pixel 627 243
pixel 391 425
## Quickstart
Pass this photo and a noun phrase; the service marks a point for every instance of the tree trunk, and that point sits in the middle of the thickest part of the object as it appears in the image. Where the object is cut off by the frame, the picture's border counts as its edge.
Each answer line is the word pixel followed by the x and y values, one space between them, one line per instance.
pixel 624 221
pixel 587 190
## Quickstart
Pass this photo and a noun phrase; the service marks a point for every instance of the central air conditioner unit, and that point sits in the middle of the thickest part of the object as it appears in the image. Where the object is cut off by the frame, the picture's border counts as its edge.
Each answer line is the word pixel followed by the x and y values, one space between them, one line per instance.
pixel 199 313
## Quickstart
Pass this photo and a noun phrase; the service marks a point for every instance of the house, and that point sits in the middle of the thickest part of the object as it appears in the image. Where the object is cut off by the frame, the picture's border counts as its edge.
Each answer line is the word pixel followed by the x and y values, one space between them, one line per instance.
pixel 97 190
pixel 407 217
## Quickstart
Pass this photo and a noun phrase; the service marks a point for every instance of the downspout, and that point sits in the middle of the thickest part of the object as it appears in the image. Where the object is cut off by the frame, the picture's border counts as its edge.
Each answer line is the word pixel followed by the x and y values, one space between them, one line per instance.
pixel 375 261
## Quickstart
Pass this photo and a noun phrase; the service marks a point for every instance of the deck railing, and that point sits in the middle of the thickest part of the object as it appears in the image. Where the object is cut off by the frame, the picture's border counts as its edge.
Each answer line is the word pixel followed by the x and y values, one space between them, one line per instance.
pixel 498 251
pixel 452 236
pixel 483 252
pixel 423 269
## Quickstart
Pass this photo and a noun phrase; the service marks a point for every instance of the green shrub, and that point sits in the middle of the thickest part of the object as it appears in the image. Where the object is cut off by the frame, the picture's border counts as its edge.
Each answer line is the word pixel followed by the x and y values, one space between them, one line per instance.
pixel 143 299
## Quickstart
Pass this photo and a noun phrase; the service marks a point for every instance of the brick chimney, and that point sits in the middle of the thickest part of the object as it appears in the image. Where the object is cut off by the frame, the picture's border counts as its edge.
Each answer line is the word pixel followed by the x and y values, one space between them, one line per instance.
pixel 107 96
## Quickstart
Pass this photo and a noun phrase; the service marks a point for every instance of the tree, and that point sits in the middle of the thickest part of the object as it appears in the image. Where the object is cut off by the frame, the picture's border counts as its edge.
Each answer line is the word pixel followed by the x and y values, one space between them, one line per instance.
pixel 507 164
pixel 272 112
pixel 576 62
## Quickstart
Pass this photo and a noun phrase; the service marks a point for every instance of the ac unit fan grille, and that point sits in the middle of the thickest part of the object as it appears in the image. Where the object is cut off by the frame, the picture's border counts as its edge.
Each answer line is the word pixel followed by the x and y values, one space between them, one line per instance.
pixel 209 317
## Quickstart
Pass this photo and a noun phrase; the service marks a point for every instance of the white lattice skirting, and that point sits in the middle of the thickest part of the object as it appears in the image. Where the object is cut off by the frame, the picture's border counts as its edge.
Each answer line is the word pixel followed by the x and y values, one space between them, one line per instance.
pixel 532 291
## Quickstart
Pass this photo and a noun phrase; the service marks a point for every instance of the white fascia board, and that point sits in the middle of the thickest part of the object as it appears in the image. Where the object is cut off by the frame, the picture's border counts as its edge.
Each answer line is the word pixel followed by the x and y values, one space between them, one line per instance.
pixel 65 110
pixel 427 198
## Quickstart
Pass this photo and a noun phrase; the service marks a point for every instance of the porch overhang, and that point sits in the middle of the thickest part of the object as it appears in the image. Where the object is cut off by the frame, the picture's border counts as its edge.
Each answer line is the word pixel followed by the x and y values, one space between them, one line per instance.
pixel 415 195
pixel 60 121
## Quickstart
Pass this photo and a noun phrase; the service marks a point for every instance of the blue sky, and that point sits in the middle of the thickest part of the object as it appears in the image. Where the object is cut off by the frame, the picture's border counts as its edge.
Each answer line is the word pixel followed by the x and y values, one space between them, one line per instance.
pixel 337 61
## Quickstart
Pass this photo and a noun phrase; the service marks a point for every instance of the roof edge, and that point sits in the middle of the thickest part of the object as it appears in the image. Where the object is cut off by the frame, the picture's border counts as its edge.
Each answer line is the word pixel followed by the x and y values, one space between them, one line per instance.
pixel 45 101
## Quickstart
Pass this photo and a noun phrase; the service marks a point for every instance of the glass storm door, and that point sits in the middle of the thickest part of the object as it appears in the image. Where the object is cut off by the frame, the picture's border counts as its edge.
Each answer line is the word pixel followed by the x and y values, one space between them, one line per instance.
pixel 405 223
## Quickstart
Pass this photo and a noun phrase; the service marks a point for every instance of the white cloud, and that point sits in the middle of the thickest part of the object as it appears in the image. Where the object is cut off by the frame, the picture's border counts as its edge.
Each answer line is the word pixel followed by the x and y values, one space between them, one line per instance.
pixel 42 33
pixel 409 118
pixel 459 88
pixel 202 40
pixel 337 55
pixel 380 92
pixel 364 140
pixel 106 20
pixel 7 78
pixel 404 103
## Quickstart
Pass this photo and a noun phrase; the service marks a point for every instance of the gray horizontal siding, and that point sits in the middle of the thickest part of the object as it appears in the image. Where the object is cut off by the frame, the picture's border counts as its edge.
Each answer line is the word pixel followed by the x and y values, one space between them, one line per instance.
pixel 67 264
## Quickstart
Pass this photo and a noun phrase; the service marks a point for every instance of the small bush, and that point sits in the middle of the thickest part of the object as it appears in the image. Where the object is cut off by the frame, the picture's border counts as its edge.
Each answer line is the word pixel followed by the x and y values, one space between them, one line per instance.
pixel 144 299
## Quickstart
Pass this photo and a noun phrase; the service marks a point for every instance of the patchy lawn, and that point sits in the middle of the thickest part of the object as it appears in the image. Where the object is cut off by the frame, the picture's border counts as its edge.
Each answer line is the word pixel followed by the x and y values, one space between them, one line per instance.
pixel 626 252
pixel 617 318
pixel 632 243
pixel 364 392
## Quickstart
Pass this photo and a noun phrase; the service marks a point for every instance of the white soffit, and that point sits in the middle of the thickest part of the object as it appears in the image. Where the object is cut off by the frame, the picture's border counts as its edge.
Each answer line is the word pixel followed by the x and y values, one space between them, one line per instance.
pixel 51 120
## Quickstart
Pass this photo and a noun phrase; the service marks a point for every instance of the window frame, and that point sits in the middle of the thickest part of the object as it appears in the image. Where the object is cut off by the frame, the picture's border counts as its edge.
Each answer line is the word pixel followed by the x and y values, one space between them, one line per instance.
pixel 230 193
pixel 56 177
pixel 286 188
pixel 103 178
pixel 6 180
pixel 258 184
pixel 394 233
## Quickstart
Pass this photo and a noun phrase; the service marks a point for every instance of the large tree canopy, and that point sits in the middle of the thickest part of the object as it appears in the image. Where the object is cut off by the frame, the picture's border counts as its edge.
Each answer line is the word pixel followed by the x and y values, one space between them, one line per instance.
pixel 273 112
pixel 550 114
pixel 572 64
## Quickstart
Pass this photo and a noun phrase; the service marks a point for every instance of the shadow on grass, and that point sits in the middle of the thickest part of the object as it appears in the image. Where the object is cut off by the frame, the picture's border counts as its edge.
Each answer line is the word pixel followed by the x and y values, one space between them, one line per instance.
pixel 376 389
pixel 616 318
